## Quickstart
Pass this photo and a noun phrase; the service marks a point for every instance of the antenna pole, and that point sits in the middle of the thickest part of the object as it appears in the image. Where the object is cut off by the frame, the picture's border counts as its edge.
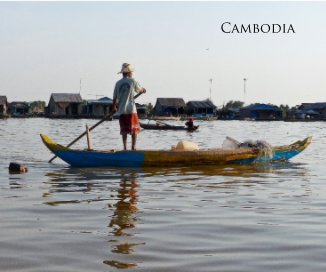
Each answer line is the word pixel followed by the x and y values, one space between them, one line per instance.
pixel 244 90
pixel 210 88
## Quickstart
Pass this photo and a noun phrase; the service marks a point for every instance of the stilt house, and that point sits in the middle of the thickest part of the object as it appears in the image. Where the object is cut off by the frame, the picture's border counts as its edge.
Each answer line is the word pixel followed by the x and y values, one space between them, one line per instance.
pixel 261 112
pixel 3 106
pixel 312 111
pixel 169 106
pixel 201 108
pixel 98 107
pixel 64 105
pixel 18 109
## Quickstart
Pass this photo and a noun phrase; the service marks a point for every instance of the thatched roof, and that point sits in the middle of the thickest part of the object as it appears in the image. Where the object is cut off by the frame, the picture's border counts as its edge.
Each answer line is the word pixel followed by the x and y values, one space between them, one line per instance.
pixel 171 102
pixel 3 100
pixel 204 104
pixel 67 97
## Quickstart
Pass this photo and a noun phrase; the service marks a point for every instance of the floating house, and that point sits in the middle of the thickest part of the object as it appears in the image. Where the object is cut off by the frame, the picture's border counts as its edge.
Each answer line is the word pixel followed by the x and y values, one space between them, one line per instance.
pixel 64 105
pixel 201 108
pixel 18 109
pixel 311 111
pixel 99 107
pixel 141 110
pixel 261 112
pixel 169 106
pixel 3 106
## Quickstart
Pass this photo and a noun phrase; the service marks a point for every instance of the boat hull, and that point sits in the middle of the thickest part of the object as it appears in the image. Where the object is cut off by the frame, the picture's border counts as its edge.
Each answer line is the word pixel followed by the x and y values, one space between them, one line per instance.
pixel 144 158
pixel 166 127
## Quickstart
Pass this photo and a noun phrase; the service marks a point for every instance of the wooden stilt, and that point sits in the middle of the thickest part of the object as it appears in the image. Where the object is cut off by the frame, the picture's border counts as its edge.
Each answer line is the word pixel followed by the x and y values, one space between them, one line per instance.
pixel 88 136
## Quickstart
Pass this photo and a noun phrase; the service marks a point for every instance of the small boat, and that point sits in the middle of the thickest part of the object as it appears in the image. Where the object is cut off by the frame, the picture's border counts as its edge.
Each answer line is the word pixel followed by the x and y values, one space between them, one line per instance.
pixel 166 158
pixel 166 118
pixel 163 126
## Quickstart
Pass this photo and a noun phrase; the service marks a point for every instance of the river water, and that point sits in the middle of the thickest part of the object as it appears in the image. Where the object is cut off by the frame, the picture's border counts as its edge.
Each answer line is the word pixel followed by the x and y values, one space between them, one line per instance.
pixel 246 218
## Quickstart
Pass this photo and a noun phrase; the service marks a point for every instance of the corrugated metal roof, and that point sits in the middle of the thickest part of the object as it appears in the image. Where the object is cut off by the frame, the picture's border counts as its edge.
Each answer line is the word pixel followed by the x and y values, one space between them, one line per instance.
pixel 204 104
pixel 67 97
pixel 313 106
pixel 104 100
pixel 18 104
pixel 3 99
pixel 171 102
pixel 258 106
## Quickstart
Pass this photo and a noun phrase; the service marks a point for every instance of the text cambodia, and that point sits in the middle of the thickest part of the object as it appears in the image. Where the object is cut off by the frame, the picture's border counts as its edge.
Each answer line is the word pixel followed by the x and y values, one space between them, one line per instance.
pixel 228 27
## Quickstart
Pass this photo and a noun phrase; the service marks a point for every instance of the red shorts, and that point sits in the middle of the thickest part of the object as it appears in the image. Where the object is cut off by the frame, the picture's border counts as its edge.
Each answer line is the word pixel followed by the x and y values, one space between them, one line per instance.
pixel 129 124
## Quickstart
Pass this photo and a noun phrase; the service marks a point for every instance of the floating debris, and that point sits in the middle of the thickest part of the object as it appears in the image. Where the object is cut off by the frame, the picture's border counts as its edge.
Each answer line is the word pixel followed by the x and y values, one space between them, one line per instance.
pixel 17 168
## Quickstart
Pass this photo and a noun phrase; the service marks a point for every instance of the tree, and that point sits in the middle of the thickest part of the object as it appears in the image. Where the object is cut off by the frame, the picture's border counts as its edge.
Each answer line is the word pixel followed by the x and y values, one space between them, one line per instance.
pixel 234 104
pixel 149 109
pixel 37 106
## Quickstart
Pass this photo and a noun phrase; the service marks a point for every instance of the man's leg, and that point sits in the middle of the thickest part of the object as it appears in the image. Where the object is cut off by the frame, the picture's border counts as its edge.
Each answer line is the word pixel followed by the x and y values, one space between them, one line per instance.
pixel 133 141
pixel 124 140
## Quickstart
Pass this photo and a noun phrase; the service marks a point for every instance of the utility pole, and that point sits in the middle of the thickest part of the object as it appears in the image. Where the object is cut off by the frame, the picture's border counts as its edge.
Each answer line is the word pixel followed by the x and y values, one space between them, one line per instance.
pixel 80 86
pixel 244 90
pixel 210 88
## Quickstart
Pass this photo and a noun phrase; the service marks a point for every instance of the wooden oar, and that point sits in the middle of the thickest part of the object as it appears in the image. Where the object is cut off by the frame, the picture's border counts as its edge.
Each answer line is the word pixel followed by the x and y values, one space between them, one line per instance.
pixel 162 123
pixel 108 117
pixel 159 122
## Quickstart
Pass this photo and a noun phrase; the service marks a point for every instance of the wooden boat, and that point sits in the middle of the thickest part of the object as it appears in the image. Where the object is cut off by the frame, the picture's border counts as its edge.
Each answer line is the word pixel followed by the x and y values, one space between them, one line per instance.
pixel 163 126
pixel 143 158
pixel 166 118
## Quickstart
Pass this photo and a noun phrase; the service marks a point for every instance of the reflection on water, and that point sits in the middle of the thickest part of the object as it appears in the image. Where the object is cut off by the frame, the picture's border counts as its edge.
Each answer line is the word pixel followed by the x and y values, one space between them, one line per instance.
pixel 124 218
pixel 125 209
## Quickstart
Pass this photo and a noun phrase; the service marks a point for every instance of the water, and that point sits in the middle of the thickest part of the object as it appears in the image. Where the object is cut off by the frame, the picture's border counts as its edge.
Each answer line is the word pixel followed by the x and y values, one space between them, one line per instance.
pixel 245 218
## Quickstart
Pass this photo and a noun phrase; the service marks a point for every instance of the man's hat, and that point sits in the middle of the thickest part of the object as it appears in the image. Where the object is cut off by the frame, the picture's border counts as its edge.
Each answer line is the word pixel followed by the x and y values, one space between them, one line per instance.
pixel 126 68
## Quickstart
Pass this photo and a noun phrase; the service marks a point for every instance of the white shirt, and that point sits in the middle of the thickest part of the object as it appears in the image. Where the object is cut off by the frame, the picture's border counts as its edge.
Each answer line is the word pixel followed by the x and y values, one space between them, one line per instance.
pixel 124 95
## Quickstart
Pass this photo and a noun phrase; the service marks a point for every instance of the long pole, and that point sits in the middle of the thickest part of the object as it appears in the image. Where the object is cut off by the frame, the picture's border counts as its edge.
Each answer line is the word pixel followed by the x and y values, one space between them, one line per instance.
pixel 91 128
pixel 210 88
pixel 244 90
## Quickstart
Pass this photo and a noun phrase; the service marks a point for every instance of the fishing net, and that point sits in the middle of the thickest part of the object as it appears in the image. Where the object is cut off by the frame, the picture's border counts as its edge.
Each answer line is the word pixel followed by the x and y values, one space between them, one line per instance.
pixel 264 148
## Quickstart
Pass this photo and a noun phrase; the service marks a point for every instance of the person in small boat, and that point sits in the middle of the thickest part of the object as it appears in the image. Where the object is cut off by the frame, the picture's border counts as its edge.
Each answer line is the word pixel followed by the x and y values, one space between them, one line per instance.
pixel 190 123
pixel 124 104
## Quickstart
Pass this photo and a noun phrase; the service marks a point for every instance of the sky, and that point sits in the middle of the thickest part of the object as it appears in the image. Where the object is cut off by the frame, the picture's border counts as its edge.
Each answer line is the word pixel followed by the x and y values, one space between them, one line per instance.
pixel 175 48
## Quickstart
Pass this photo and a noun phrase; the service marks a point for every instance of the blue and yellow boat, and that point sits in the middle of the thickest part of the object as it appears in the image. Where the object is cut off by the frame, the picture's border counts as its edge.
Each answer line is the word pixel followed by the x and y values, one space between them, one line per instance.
pixel 144 158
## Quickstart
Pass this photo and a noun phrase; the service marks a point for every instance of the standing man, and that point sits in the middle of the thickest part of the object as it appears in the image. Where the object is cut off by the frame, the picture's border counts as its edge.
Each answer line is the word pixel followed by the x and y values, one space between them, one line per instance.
pixel 123 99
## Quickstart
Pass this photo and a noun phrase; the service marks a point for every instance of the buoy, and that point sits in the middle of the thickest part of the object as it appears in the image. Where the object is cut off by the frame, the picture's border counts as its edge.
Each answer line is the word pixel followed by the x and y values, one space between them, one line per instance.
pixel 17 168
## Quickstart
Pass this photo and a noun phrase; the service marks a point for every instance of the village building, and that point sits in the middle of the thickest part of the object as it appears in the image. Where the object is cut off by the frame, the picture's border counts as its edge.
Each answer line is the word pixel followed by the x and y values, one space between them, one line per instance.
pixel 169 107
pixel 64 105
pixel 261 112
pixel 18 109
pixel 99 107
pixel 311 111
pixel 201 108
pixel 141 110
pixel 3 106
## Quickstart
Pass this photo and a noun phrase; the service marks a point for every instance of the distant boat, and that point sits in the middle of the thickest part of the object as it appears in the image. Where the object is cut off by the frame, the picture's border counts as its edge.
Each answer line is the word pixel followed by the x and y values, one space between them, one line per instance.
pixel 166 118
pixel 4 116
pixel 163 126
pixel 165 158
